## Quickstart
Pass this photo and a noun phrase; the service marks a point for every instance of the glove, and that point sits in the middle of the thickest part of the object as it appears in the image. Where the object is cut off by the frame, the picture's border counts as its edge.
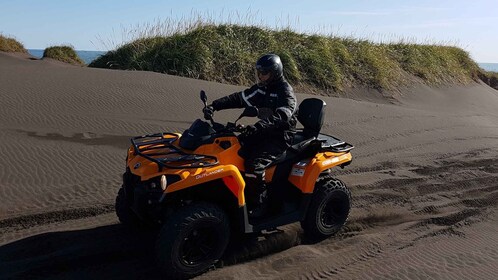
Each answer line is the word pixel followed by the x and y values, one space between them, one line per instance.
pixel 208 112
pixel 249 131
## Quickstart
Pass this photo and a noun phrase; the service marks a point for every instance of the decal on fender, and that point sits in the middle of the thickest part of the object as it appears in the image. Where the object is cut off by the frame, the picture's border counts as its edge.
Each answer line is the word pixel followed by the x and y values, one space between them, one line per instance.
pixel 297 172
pixel 331 160
pixel 200 176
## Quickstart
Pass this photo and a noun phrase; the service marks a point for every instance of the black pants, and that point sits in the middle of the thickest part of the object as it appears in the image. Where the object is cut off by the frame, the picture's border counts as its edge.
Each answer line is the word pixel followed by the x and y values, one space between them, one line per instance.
pixel 258 154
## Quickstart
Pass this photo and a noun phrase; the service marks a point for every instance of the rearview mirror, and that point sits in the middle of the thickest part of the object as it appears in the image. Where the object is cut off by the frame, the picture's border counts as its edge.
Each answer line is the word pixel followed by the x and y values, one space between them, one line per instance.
pixel 204 97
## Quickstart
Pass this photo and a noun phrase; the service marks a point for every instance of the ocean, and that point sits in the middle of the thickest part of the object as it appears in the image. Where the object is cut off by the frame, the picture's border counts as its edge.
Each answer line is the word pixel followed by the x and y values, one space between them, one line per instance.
pixel 86 56
pixel 493 67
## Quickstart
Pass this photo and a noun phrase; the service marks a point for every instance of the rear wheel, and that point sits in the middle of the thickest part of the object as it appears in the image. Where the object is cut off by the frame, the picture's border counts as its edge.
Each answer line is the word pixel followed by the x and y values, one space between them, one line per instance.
pixel 328 210
pixel 123 210
pixel 192 240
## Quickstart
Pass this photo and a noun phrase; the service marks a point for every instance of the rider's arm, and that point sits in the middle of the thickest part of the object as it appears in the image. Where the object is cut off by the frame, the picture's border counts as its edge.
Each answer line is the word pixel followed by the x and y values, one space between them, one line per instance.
pixel 248 97
pixel 281 117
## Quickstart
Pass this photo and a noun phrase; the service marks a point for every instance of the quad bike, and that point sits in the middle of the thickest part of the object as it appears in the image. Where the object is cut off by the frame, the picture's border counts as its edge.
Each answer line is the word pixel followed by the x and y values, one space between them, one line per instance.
pixel 192 186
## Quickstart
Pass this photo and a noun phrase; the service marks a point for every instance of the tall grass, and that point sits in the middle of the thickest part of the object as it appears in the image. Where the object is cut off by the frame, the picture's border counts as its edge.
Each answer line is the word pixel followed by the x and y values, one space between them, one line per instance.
pixel 63 53
pixel 226 52
pixel 8 44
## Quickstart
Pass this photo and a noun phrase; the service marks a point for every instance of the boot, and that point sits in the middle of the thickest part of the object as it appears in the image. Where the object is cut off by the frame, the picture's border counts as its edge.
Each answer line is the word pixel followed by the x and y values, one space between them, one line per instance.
pixel 259 204
pixel 256 194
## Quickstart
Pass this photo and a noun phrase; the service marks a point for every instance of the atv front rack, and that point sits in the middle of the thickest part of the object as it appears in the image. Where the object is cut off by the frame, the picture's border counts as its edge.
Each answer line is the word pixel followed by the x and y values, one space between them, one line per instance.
pixel 159 149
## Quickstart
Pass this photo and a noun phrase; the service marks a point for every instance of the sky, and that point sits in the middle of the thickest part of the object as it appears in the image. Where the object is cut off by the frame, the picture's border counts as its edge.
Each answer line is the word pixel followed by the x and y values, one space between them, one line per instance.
pixel 105 24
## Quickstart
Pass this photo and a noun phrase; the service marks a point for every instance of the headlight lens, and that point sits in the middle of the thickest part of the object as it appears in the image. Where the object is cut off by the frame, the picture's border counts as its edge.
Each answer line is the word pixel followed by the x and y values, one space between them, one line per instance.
pixel 164 182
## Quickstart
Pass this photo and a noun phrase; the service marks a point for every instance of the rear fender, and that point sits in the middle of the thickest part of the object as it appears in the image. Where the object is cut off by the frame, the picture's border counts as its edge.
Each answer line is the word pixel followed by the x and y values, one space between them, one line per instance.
pixel 305 173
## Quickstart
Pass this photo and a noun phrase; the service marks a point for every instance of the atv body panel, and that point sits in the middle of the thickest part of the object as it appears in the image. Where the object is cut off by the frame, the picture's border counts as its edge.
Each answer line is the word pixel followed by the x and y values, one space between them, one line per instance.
pixel 330 153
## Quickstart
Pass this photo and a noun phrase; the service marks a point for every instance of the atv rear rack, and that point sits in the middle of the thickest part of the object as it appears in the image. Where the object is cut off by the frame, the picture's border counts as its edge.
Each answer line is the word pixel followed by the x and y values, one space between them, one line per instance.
pixel 168 155
pixel 322 142
pixel 330 143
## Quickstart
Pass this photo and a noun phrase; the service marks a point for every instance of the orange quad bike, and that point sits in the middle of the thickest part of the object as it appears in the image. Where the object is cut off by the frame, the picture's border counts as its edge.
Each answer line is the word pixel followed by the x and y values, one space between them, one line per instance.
pixel 192 186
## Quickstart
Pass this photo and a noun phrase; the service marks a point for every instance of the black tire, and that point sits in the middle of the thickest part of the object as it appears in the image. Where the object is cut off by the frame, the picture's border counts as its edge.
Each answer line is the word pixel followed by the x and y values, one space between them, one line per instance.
pixel 328 210
pixel 192 240
pixel 123 210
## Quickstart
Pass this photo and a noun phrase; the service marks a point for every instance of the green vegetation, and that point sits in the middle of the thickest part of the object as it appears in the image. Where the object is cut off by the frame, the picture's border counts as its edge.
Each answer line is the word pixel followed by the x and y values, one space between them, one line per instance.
pixel 63 53
pixel 8 44
pixel 226 53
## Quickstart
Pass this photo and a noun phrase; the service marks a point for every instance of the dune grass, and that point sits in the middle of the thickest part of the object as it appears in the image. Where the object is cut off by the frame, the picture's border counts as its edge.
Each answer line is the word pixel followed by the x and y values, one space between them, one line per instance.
pixel 8 44
pixel 63 53
pixel 227 52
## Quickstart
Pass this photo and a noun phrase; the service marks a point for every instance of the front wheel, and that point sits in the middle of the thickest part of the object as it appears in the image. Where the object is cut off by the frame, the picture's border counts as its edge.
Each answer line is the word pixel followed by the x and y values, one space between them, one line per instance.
pixel 123 210
pixel 329 209
pixel 192 240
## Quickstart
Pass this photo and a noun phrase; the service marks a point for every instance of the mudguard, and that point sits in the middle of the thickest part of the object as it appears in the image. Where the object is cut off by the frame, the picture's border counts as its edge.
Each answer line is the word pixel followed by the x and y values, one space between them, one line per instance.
pixel 228 173
pixel 305 173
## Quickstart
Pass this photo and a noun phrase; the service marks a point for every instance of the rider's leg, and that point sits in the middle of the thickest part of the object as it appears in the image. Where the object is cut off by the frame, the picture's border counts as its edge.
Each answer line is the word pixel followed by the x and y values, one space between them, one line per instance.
pixel 255 179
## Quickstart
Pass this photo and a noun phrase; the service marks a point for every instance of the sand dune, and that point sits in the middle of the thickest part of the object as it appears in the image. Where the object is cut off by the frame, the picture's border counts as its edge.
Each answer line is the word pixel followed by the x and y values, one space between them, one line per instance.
pixel 424 179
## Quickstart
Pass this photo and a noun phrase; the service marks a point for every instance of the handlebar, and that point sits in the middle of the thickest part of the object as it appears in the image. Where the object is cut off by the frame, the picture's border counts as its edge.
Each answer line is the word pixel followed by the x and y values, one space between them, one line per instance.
pixel 229 127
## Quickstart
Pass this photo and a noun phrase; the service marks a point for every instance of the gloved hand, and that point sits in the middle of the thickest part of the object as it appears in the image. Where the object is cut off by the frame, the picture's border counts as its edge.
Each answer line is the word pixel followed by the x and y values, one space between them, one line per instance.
pixel 208 112
pixel 249 131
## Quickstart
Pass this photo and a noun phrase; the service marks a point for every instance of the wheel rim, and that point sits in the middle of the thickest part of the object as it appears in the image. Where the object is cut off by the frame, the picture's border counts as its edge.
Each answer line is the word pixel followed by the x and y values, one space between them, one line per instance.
pixel 335 210
pixel 199 245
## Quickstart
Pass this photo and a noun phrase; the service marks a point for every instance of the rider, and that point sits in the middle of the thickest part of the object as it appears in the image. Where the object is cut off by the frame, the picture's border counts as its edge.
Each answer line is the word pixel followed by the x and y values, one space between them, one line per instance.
pixel 268 138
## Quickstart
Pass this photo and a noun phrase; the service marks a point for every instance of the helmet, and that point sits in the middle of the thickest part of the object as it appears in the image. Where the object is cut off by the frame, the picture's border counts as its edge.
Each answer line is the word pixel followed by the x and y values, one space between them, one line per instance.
pixel 270 63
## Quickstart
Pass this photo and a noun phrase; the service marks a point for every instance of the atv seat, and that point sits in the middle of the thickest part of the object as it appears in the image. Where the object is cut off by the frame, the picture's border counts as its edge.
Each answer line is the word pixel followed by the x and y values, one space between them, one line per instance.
pixel 308 141
pixel 310 115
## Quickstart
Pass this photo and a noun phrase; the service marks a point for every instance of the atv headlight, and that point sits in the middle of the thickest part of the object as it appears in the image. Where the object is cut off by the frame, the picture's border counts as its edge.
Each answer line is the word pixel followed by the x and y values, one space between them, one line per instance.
pixel 164 182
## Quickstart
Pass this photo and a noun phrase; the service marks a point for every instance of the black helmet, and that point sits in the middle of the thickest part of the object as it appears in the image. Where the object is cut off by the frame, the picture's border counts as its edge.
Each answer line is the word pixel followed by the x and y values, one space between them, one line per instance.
pixel 270 63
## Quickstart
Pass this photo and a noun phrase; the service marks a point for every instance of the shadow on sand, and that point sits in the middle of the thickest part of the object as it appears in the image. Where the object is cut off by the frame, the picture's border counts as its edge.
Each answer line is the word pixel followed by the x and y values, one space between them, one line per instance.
pixel 113 252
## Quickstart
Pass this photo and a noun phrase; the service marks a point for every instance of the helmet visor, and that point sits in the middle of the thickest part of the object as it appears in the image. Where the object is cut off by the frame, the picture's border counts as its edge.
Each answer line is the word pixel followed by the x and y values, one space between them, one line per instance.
pixel 262 76
pixel 262 70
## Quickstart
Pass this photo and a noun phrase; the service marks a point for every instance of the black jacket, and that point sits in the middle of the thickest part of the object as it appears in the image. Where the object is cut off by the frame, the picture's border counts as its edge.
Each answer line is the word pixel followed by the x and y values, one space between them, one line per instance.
pixel 279 98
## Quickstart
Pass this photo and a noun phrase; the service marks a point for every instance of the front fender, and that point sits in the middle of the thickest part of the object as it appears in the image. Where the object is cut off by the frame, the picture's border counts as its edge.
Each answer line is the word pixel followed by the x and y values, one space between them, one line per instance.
pixel 228 173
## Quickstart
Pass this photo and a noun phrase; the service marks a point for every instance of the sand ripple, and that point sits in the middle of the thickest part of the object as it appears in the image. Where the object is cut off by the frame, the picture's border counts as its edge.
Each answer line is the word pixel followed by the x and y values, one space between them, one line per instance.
pixel 424 180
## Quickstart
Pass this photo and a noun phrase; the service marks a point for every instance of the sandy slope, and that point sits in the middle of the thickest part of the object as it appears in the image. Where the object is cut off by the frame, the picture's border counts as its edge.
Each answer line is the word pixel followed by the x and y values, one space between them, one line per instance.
pixel 424 179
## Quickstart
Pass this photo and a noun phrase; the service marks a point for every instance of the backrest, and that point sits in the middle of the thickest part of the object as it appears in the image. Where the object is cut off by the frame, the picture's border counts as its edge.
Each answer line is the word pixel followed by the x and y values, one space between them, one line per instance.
pixel 310 115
